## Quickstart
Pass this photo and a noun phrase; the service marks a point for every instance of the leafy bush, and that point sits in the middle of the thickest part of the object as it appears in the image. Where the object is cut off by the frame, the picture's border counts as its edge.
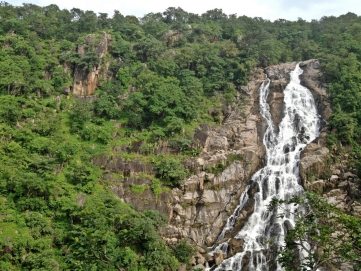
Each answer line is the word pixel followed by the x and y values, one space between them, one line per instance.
pixel 332 236
pixel 82 174
pixel 88 61
pixel 106 106
pixel 172 171
pixel 145 148
pixel 156 188
pixel 174 125
pixel 10 111
pixel 184 251
pixel 181 144
pixel 80 113
pixel 139 189
pixel 124 77
pixel 92 132
pixel 216 169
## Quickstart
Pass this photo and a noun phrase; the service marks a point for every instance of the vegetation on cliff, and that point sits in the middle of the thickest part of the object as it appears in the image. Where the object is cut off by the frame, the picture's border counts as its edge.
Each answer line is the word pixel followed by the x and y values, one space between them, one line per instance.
pixel 327 236
pixel 164 73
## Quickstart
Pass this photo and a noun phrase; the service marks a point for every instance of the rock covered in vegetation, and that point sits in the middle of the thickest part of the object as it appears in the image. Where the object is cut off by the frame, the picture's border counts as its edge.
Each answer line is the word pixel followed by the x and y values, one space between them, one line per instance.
pixel 330 174
pixel 86 79
pixel 55 212
pixel 199 208
pixel 326 171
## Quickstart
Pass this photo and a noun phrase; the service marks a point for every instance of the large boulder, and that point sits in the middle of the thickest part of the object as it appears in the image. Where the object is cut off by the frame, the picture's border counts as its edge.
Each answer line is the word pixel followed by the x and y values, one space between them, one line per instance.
pixel 313 163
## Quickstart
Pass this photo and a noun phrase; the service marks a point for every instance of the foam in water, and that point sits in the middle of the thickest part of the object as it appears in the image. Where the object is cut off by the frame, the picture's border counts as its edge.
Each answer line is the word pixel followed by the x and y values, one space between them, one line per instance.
pixel 279 178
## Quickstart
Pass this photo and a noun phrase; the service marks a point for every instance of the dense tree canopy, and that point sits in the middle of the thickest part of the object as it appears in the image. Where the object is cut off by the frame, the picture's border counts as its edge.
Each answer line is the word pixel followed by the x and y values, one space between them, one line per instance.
pixel 164 71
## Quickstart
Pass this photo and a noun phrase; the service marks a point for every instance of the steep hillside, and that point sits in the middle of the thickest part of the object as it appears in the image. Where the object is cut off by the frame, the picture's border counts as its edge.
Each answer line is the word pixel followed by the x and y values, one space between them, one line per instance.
pixel 104 119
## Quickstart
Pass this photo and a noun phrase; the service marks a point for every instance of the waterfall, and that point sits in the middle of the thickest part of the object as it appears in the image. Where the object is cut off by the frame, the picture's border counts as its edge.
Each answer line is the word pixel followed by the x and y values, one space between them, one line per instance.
pixel 264 231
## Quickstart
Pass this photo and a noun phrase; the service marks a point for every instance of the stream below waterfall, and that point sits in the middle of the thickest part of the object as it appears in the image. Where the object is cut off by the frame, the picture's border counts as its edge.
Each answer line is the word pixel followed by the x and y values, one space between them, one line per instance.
pixel 263 233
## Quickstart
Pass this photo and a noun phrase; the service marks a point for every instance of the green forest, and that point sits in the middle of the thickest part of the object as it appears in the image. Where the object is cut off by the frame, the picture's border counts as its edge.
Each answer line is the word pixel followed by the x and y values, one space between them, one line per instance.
pixel 165 71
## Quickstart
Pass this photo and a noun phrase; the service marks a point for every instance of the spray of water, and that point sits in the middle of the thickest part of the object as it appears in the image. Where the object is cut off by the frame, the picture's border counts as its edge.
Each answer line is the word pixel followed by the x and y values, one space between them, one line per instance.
pixel 264 231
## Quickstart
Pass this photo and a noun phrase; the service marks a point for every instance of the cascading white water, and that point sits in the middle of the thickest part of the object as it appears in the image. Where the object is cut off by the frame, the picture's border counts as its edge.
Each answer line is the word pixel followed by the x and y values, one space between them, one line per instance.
pixel 279 178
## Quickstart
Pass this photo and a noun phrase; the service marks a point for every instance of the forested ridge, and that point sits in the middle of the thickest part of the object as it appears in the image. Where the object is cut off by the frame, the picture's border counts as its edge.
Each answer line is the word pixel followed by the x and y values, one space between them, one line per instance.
pixel 165 73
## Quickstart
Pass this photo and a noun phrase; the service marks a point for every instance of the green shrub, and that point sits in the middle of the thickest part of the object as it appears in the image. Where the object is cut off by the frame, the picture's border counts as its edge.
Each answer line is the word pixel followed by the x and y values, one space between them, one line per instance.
pixel 139 189
pixel 92 132
pixel 172 171
pixel 184 251
pixel 216 169
pixel 182 144
pixel 145 148
pixel 234 157
pixel 80 113
pixel 156 188
pixel 106 106
pixel 82 174
pixel 90 60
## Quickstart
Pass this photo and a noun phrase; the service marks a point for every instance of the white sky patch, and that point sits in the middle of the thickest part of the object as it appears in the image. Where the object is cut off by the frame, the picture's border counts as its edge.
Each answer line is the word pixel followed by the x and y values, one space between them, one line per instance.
pixel 267 9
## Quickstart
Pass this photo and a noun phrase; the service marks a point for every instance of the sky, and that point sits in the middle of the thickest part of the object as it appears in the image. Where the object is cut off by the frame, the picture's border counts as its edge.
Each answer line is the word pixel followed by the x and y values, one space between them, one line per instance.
pixel 267 9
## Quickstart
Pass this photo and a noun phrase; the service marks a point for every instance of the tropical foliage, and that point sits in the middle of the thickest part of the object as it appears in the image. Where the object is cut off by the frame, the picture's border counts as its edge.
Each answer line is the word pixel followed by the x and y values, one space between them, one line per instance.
pixel 164 72
pixel 327 236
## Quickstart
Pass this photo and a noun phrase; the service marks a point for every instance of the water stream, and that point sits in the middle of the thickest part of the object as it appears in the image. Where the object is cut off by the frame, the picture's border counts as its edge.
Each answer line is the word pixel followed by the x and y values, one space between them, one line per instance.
pixel 264 231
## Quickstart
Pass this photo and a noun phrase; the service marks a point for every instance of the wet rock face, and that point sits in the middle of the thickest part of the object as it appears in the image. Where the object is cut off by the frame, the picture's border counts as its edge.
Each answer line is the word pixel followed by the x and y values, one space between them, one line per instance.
pixel 235 246
pixel 218 257
pixel 86 81
pixel 311 78
pixel 313 161
pixel 279 76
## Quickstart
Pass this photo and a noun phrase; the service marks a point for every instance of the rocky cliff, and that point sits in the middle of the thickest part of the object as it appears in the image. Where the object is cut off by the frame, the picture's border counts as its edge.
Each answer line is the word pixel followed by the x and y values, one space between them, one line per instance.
pixel 328 170
pixel 86 81
pixel 199 208
pixel 279 76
